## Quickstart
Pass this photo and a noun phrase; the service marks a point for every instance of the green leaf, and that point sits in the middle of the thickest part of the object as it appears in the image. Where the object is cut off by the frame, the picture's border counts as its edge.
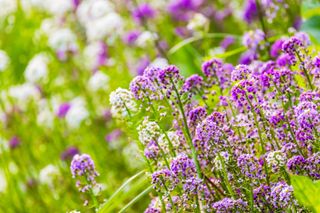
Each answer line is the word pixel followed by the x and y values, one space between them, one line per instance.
pixel 138 197
pixel 117 197
pixel 311 26
pixel 306 191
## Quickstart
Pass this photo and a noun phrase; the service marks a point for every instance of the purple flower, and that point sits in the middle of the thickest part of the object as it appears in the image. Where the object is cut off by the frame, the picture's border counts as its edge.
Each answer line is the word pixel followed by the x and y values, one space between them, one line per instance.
pixel 276 48
pixel 240 72
pixel 229 205
pixel 142 88
pixel 142 65
pixel 227 41
pixel 193 82
pixel 183 167
pixel 281 195
pixel 163 179
pixel 181 9
pixel 14 142
pixel 247 57
pixel 130 37
pixel 63 110
pixel 143 12
pixel 83 166
pixel 250 11
pixel 296 164
pixel 212 67
pixel 69 153
pixel 252 39
pixel 249 166
pixel 114 135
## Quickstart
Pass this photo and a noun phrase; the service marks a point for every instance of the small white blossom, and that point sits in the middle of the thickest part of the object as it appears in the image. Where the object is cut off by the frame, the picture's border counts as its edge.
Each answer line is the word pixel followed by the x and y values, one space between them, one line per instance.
pixel 48 174
pixel 98 81
pixel 148 131
pixel 77 113
pixel 4 60
pixel 276 159
pixel 37 68
pixel 122 101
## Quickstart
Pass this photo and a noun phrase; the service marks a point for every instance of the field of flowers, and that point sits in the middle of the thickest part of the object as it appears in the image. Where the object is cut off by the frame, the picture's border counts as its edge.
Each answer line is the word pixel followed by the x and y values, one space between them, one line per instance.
pixel 159 106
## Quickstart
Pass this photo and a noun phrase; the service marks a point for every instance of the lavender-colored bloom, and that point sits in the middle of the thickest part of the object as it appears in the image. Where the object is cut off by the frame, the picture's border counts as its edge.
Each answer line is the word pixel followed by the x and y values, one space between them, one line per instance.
pixel 180 9
pixel 229 205
pixel 152 73
pixel 168 75
pixel 63 110
pixel 14 142
pixel 291 46
pixel 195 116
pixel 240 72
pixel 247 57
pixel 284 60
pixel 276 48
pixel 143 12
pixel 114 135
pixel 142 88
pixel 252 39
pixel 183 167
pixel 249 166
pixel 281 195
pixel 69 153
pixel 313 165
pixel 142 65
pixel 163 179
pixel 83 166
pixel 130 37
pixel 259 195
pixel 250 11
pixel 227 41
pixel 152 150
pixel 193 82
pixel 296 164
pixel 309 96
pixel 212 67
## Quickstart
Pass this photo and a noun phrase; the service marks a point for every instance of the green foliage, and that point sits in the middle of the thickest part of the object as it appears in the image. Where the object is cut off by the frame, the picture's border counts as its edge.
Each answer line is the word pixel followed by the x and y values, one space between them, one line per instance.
pixel 307 192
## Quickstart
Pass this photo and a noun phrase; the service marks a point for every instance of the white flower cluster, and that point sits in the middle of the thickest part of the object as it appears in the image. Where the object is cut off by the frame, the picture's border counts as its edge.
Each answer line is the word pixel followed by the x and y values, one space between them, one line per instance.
pixel 99 19
pixel 77 113
pixel 98 81
pixel 48 174
pixel 164 143
pixel 220 159
pixel 4 60
pixel 148 131
pixel 122 103
pixel 37 69
pixel 276 159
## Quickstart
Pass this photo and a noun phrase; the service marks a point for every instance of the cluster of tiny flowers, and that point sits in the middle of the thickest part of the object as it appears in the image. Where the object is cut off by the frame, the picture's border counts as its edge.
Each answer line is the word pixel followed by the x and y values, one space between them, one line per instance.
pixel 235 154
pixel 82 167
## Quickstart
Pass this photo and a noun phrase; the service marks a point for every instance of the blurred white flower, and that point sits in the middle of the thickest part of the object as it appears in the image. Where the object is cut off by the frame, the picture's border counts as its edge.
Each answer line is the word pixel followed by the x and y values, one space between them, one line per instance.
pixel 24 93
pixel 198 22
pixel 37 68
pixel 7 7
pixel 95 55
pixel 48 174
pixel 63 40
pixel 45 114
pixel 98 81
pixel 4 60
pixel 146 38
pixel 3 181
pixel 77 113
pixel 160 63
pixel 122 103
pixel 99 19
pixel 3 145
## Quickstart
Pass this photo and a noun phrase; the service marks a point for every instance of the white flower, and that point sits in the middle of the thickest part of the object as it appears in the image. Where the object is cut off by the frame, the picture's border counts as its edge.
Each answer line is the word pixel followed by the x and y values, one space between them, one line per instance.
pixel 146 38
pixel 4 60
pixel 7 7
pixel 148 131
pixel 63 40
pixel 276 159
pixel 159 63
pixel 24 93
pixel 3 181
pixel 45 116
pixel 93 53
pixel 37 68
pixel 220 159
pixel 109 25
pixel 164 143
pixel 122 101
pixel 98 81
pixel 48 174
pixel 198 22
pixel 77 113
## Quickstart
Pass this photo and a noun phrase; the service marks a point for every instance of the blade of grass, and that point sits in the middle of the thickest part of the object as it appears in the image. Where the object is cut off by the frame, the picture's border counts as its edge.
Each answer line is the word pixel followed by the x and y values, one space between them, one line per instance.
pixel 110 202
pixel 138 197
